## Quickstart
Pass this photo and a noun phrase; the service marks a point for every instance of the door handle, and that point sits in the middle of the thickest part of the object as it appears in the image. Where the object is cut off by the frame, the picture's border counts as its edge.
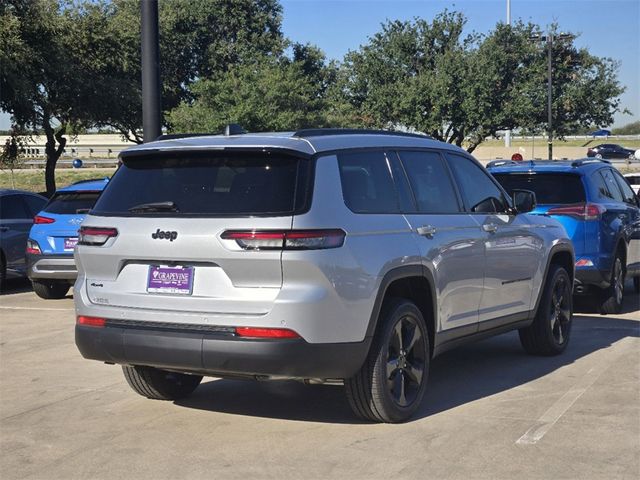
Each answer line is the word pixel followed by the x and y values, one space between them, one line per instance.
pixel 490 227
pixel 427 231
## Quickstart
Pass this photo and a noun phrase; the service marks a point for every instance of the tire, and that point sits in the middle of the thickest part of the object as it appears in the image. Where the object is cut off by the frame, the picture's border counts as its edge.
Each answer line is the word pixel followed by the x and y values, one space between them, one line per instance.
pixel 636 284
pixel 392 381
pixel 51 289
pixel 613 297
pixel 160 384
pixel 551 328
pixel 599 156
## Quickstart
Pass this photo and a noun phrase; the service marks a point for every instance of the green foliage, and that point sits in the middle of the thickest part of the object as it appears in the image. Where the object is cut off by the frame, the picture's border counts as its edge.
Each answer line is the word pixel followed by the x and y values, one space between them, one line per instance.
pixel 429 77
pixel 629 129
pixel 269 94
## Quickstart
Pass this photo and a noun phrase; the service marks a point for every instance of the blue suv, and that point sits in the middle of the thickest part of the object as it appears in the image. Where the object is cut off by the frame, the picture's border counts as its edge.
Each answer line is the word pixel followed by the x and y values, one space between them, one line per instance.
pixel 53 237
pixel 600 212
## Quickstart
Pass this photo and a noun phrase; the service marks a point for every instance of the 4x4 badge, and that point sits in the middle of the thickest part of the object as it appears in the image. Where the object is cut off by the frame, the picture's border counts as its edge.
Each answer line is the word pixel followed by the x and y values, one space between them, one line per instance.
pixel 168 235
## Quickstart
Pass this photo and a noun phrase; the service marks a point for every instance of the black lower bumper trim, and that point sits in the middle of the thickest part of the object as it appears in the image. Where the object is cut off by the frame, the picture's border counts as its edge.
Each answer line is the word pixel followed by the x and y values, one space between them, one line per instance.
pixel 220 355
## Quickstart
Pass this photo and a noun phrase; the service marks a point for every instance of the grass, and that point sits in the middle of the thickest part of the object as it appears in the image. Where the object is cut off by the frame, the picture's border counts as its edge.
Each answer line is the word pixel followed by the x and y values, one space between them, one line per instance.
pixel 572 142
pixel 32 180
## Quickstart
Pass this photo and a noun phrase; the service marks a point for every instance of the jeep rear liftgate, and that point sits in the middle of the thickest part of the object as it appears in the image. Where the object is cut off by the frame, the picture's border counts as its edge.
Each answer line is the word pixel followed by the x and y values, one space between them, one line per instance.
pixel 168 219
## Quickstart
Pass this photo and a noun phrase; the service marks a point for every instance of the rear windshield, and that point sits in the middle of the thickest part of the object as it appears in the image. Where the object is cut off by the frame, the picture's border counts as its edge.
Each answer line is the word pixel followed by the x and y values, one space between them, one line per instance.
pixel 549 188
pixel 71 203
pixel 245 184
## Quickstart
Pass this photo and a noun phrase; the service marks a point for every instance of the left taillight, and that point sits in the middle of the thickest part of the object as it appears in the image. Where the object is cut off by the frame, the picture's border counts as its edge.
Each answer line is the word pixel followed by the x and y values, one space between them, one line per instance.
pixel 33 248
pixel 39 219
pixel 91 321
pixel 95 236
pixel 286 239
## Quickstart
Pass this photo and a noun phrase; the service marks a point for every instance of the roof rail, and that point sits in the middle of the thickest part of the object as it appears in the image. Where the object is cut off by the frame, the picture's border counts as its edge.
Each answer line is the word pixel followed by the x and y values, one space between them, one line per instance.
pixel 322 132
pixel 579 163
pixel 89 180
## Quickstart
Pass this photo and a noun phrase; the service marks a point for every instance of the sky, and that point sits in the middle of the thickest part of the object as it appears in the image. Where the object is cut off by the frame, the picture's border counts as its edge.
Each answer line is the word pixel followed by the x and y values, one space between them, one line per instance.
pixel 607 28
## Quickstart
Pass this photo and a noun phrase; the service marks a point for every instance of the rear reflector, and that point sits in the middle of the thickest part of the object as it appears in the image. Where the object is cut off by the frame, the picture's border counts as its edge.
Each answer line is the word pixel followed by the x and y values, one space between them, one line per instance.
pixel 286 239
pixel 583 262
pixel 266 332
pixel 95 235
pixel 39 220
pixel 581 211
pixel 91 321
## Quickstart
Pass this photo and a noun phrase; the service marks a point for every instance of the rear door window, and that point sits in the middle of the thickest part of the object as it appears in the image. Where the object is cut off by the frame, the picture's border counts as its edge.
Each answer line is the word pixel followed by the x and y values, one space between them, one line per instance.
pixel 12 207
pixel 367 184
pixel 71 203
pixel 430 182
pixel 627 192
pixel 550 188
pixel 206 184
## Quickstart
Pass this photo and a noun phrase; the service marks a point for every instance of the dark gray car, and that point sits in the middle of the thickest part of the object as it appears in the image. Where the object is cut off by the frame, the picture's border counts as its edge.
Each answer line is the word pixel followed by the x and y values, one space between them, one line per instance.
pixel 17 209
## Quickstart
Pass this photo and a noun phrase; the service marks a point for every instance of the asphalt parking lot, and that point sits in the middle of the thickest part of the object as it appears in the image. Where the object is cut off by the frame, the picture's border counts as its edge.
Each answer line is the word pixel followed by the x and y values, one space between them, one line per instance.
pixel 491 412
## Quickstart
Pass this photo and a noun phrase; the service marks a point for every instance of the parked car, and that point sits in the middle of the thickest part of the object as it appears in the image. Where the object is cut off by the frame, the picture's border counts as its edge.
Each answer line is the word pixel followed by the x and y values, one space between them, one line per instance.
pixel 53 237
pixel 17 209
pixel 634 181
pixel 610 151
pixel 319 255
pixel 599 211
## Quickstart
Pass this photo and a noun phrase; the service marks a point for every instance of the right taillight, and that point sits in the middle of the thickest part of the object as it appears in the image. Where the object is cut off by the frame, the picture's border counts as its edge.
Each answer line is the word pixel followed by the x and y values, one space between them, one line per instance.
pixel 286 239
pixel 582 211
pixel 95 235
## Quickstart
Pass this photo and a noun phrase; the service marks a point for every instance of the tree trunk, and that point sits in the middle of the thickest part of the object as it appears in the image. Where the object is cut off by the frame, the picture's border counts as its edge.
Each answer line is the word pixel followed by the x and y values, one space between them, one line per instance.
pixel 53 153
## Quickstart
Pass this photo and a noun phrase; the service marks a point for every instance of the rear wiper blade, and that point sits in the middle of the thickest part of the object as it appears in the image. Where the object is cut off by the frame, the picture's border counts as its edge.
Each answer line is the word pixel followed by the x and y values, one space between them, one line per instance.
pixel 83 210
pixel 155 207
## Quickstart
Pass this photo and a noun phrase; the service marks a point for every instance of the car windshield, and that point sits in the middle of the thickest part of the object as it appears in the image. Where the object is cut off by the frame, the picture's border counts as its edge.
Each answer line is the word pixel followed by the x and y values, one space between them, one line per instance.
pixel 65 203
pixel 549 188
pixel 205 184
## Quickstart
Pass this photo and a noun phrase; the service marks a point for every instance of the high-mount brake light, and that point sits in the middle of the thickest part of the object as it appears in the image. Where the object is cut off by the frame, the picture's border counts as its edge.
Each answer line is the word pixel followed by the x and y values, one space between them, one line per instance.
pixel 91 321
pixel 581 211
pixel 253 332
pixel 38 220
pixel 286 239
pixel 96 235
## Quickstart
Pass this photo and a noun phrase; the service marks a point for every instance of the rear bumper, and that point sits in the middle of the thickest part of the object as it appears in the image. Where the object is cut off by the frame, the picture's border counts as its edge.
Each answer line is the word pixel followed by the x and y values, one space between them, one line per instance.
pixel 219 353
pixel 590 277
pixel 52 267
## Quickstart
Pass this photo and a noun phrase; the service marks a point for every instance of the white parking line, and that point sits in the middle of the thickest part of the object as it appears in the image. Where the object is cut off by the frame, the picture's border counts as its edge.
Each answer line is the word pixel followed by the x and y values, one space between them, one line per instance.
pixel 560 407
pixel 38 308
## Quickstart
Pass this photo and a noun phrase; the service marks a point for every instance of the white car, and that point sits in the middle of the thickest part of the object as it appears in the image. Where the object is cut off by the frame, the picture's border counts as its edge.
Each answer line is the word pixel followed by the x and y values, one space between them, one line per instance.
pixel 634 181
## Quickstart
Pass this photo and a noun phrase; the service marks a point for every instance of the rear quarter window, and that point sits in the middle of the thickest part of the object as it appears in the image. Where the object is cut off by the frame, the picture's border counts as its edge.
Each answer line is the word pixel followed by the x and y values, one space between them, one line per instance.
pixel 550 188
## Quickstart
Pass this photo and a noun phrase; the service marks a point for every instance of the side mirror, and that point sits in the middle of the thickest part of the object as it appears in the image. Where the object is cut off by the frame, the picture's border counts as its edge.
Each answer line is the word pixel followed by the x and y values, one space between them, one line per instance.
pixel 524 200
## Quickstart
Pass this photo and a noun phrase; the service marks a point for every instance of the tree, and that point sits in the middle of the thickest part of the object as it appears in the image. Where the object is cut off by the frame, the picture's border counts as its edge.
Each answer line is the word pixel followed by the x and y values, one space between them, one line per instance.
pixel 268 94
pixel 430 77
pixel 70 65
pixel 10 155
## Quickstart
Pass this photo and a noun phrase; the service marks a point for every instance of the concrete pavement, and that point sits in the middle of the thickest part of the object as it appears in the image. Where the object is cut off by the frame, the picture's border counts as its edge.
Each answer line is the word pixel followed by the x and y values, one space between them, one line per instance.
pixel 491 412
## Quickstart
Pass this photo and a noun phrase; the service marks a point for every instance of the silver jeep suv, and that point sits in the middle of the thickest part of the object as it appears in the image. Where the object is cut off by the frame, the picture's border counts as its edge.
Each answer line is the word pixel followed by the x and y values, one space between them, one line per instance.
pixel 320 255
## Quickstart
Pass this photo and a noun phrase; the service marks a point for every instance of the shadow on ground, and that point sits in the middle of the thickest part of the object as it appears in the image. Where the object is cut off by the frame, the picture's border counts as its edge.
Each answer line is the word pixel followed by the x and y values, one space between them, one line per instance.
pixel 457 377
pixel 16 285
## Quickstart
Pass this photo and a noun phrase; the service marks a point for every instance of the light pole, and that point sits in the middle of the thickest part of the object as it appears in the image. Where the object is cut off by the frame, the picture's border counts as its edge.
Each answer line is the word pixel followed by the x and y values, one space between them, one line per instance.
pixel 151 109
pixel 549 39
pixel 507 135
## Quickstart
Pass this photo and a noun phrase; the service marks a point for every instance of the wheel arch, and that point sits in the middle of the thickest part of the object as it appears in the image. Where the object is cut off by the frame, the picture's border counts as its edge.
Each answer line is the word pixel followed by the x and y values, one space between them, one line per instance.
pixel 560 254
pixel 414 283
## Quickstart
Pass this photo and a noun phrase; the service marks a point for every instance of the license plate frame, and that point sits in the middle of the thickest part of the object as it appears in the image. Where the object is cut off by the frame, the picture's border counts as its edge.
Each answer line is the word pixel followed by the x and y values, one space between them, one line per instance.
pixel 69 244
pixel 170 280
